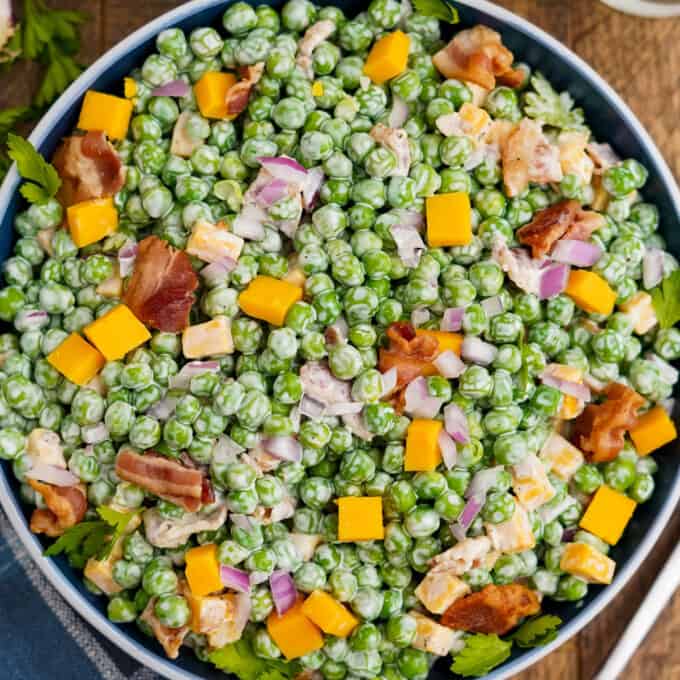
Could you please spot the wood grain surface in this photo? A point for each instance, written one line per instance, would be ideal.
(640, 59)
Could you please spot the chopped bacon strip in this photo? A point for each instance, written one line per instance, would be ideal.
(494, 609)
(163, 477)
(171, 639)
(396, 140)
(599, 431)
(313, 37)
(89, 167)
(238, 94)
(478, 55)
(585, 222)
(161, 290)
(66, 506)
(548, 226)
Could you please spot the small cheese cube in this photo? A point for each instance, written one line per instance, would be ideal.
(203, 570)
(641, 311)
(445, 339)
(327, 613)
(608, 514)
(432, 637)
(571, 406)
(294, 634)
(590, 292)
(45, 446)
(388, 57)
(439, 590)
(211, 243)
(530, 483)
(117, 333)
(652, 430)
(208, 339)
(449, 219)
(514, 535)
(584, 561)
(211, 93)
(475, 120)
(90, 221)
(317, 88)
(269, 299)
(561, 457)
(76, 359)
(129, 88)
(360, 518)
(422, 447)
(105, 112)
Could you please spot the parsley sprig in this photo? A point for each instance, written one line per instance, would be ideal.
(537, 632)
(550, 107)
(439, 9)
(42, 179)
(239, 659)
(666, 300)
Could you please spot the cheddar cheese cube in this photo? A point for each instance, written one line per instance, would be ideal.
(530, 483)
(129, 87)
(588, 563)
(652, 430)
(294, 634)
(211, 93)
(449, 219)
(212, 243)
(327, 613)
(360, 518)
(561, 457)
(203, 570)
(208, 339)
(76, 360)
(608, 514)
(571, 406)
(269, 299)
(317, 88)
(445, 339)
(432, 637)
(590, 292)
(641, 311)
(513, 535)
(90, 221)
(439, 590)
(475, 120)
(105, 112)
(422, 447)
(388, 57)
(116, 333)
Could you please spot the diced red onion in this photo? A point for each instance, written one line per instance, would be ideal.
(477, 351)
(283, 447)
(182, 380)
(283, 510)
(493, 306)
(215, 272)
(399, 113)
(272, 192)
(652, 268)
(226, 450)
(93, 434)
(553, 280)
(577, 253)
(344, 408)
(410, 218)
(31, 320)
(312, 187)
(126, 258)
(234, 578)
(312, 408)
(410, 245)
(419, 317)
(482, 481)
(389, 381)
(249, 223)
(51, 474)
(456, 423)
(458, 532)
(448, 449)
(668, 373)
(449, 365)
(467, 516)
(285, 168)
(295, 417)
(452, 319)
(568, 534)
(283, 591)
(175, 88)
(418, 401)
(570, 387)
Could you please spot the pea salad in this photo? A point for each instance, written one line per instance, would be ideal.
(336, 346)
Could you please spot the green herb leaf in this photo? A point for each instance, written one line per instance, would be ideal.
(10, 117)
(119, 521)
(480, 654)
(546, 105)
(61, 71)
(72, 541)
(537, 632)
(440, 9)
(238, 658)
(666, 300)
(32, 166)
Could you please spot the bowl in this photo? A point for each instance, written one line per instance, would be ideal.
(611, 120)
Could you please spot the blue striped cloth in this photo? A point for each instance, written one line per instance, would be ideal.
(42, 636)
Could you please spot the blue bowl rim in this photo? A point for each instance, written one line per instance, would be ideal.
(10, 503)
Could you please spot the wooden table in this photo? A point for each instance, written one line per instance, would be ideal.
(640, 60)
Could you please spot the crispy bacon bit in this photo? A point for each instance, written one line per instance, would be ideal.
(396, 140)
(548, 226)
(573, 157)
(171, 639)
(313, 37)
(599, 431)
(238, 94)
(585, 222)
(89, 167)
(478, 55)
(66, 506)
(494, 609)
(163, 477)
(524, 272)
(161, 290)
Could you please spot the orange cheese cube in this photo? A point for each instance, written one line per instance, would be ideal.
(90, 221)
(608, 514)
(76, 359)
(105, 112)
(117, 333)
(590, 292)
(641, 311)
(475, 120)
(294, 634)
(317, 88)
(203, 570)
(652, 430)
(446, 339)
(584, 561)
(388, 57)
(422, 448)
(269, 299)
(211, 93)
(210, 338)
(360, 518)
(449, 219)
(327, 613)
(129, 88)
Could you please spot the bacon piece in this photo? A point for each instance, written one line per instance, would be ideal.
(161, 290)
(478, 55)
(320, 384)
(163, 477)
(396, 140)
(238, 94)
(548, 226)
(89, 167)
(171, 639)
(66, 506)
(585, 222)
(313, 37)
(599, 431)
(494, 609)
(573, 157)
